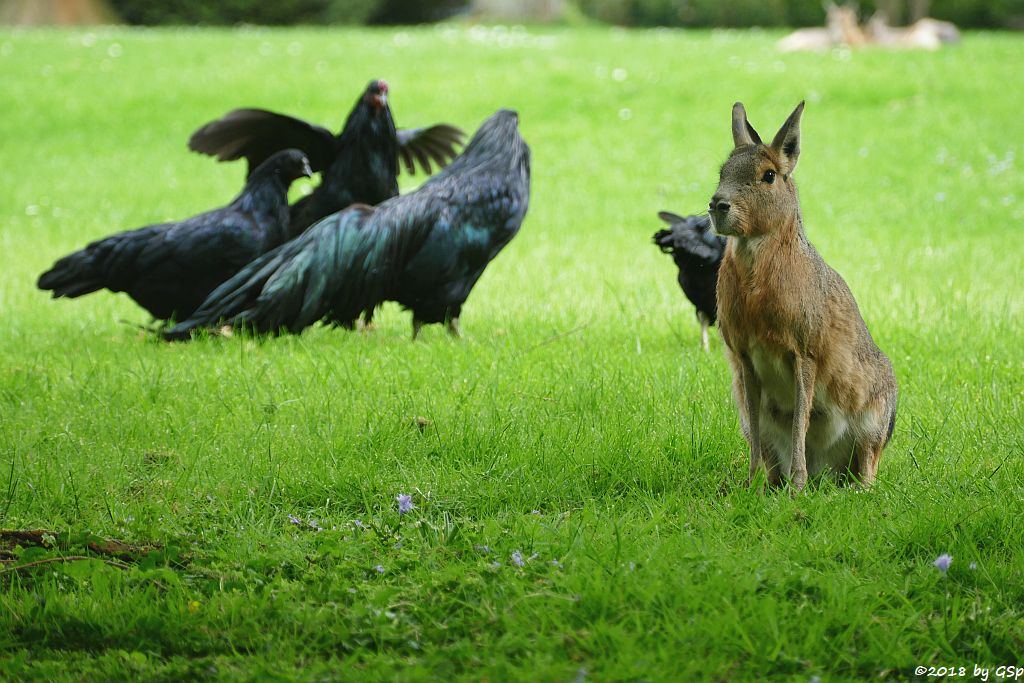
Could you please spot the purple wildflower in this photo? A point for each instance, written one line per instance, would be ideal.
(942, 562)
(379, 569)
(404, 503)
(517, 559)
(294, 520)
(485, 549)
(358, 523)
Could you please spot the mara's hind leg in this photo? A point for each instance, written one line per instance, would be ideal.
(865, 463)
(772, 466)
(868, 451)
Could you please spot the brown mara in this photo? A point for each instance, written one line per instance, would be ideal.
(816, 396)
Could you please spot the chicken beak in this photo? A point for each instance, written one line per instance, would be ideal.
(306, 170)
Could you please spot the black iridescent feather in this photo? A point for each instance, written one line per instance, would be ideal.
(170, 268)
(424, 250)
(360, 165)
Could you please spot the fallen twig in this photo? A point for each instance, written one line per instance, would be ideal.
(46, 539)
(68, 558)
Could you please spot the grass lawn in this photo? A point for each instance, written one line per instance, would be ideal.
(578, 428)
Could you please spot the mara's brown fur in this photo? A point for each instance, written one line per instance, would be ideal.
(816, 396)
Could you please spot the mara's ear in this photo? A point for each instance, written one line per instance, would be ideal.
(787, 140)
(742, 132)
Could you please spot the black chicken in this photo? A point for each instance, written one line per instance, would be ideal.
(358, 166)
(697, 252)
(424, 250)
(170, 268)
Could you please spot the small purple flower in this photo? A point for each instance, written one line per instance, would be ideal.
(485, 549)
(517, 559)
(404, 503)
(495, 565)
(358, 523)
(379, 569)
(313, 524)
(942, 562)
(294, 520)
(556, 564)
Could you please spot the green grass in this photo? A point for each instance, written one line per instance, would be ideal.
(578, 422)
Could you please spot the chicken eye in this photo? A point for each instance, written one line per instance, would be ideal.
(769, 177)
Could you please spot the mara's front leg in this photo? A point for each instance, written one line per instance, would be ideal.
(750, 387)
(804, 371)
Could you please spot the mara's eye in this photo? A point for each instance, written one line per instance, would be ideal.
(769, 177)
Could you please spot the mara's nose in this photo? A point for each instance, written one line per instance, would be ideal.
(718, 204)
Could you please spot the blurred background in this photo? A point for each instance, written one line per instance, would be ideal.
(993, 14)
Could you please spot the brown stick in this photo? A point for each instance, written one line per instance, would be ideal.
(109, 546)
(69, 558)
